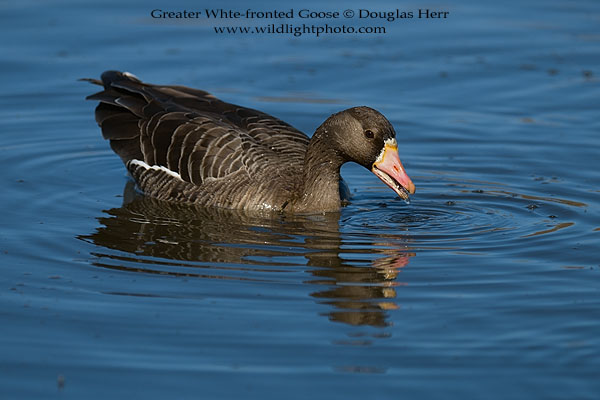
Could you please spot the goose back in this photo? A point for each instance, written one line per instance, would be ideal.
(186, 145)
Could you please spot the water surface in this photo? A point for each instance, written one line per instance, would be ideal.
(485, 286)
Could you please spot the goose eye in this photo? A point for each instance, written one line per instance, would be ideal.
(369, 133)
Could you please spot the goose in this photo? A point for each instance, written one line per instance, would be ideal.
(185, 145)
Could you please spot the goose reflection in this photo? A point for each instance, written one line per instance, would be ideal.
(150, 236)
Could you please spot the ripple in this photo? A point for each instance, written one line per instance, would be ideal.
(467, 216)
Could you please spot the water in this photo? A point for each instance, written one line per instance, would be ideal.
(485, 286)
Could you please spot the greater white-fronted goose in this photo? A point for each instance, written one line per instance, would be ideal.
(185, 145)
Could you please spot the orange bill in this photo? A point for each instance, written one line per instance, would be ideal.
(389, 169)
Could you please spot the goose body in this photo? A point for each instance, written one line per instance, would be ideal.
(185, 145)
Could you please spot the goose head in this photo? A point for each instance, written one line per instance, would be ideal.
(364, 136)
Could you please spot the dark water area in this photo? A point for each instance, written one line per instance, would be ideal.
(486, 286)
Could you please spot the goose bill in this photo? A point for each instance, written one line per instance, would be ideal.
(389, 169)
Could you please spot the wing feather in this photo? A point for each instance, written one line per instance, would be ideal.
(193, 134)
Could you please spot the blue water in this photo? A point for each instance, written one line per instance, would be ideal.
(486, 286)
